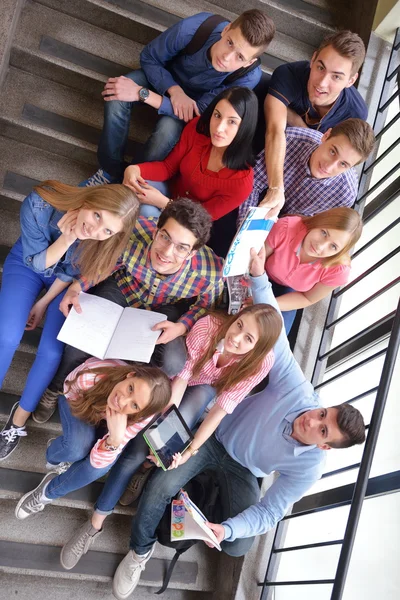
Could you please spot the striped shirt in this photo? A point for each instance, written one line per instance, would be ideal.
(199, 278)
(100, 458)
(197, 342)
(304, 194)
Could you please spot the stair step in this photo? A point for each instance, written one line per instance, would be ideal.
(13, 584)
(8, 400)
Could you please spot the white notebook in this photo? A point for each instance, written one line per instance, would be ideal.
(106, 330)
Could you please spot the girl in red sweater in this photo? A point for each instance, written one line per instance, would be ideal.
(211, 163)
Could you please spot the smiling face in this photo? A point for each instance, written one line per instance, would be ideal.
(318, 427)
(224, 124)
(129, 396)
(242, 335)
(334, 156)
(232, 51)
(324, 242)
(171, 247)
(97, 224)
(330, 73)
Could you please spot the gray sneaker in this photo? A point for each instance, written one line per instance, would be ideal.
(78, 545)
(46, 407)
(128, 574)
(35, 500)
(59, 467)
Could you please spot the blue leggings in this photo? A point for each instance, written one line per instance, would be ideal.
(19, 290)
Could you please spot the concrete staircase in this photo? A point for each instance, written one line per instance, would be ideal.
(56, 56)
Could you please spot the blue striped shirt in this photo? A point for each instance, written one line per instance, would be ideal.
(304, 194)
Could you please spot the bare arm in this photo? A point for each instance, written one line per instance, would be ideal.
(39, 308)
(294, 120)
(275, 149)
(178, 389)
(295, 300)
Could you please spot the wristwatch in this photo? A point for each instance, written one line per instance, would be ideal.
(109, 446)
(143, 94)
(192, 452)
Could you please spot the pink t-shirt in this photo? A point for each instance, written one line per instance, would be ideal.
(284, 267)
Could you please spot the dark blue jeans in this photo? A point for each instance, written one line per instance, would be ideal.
(238, 490)
(114, 136)
(193, 405)
(74, 445)
(287, 315)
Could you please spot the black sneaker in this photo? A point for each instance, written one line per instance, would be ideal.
(10, 435)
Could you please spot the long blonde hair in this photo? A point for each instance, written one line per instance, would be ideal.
(269, 325)
(343, 219)
(95, 258)
(91, 404)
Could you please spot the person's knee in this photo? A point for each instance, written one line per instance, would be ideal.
(147, 210)
(75, 450)
(174, 357)
(239, 547)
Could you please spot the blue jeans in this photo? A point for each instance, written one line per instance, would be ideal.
(114, 136)
(193, 405)
(287, 315)
(238, 490)
(74, 445)
(147, 210)
(19, 290)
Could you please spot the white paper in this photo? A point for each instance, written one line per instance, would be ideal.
(238, 258)
(106, 330)
(133, 338)
(91, 331)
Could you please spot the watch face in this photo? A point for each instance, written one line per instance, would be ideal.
(144, 94)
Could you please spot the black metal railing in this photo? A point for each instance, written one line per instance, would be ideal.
(354, 348)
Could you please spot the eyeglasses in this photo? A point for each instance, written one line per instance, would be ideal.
(179, 250)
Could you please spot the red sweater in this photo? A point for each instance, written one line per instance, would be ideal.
(219, 192)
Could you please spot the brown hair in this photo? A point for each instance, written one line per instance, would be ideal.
(95, 258)
(269, 324)
(256, 27)
(360, 135)
(90, 405)
(343, 219)
(347, 44)
(351, 424)
(190, 215)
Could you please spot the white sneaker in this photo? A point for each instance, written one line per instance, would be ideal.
(128, 574)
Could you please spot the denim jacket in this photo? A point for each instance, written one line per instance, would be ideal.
(38, 231)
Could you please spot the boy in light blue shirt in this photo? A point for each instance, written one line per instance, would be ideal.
(284, 428)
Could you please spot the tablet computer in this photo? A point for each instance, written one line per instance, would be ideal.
(167, 435)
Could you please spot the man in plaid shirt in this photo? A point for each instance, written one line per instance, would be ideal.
(166, 267)
(318, 171)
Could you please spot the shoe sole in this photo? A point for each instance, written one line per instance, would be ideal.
(28, 494)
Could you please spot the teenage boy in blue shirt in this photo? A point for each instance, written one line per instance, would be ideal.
(283, 428)
(179, 85)
(319, 94)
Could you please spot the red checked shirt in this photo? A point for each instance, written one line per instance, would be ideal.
(100, 458)
(197, 341)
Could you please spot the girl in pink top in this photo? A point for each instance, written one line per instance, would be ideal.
(308, 257)
(106, 403)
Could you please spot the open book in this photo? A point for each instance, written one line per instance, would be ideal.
(252, 233)
(188, 522)
(106, 330)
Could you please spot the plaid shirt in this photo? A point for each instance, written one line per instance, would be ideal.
(304, 194)
(199, 278)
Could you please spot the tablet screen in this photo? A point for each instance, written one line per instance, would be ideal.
(167, 435)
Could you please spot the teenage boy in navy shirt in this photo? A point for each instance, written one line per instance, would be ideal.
(179, 85)
(319, 94)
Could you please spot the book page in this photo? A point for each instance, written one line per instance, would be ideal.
(133, 338)
(188, 522)
(252, 234)
(92, 330)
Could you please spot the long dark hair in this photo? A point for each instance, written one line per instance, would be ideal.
(239, 154)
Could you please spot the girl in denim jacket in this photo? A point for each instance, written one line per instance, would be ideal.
(65, 231)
